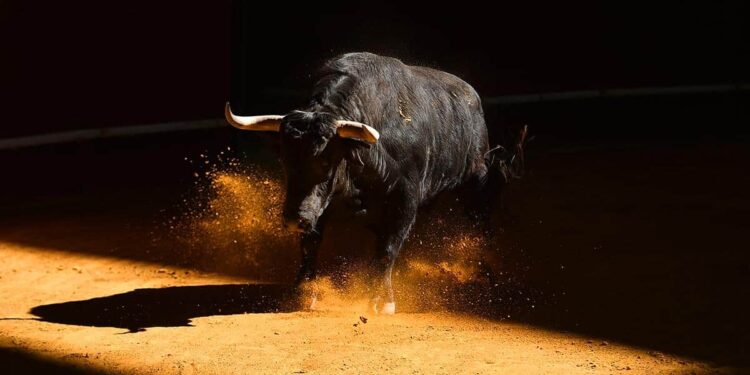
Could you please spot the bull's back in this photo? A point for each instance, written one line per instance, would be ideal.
(431, 122)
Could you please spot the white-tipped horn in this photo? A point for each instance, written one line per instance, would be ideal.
(357, 130)
(269, 123)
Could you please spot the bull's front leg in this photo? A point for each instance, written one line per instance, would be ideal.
(395, 227)
(309, 244)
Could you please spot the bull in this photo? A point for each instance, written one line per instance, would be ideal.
(387, 138)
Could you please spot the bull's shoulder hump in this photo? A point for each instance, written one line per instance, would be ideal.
(438, 75)
(357, 62)
(449, 81)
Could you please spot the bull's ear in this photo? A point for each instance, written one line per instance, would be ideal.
(357, 130)
(269, 123)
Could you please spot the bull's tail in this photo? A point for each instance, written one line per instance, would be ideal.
(507, 163)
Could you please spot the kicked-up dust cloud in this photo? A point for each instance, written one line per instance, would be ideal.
(232, 223)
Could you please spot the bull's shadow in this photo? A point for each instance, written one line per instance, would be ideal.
(168, 307)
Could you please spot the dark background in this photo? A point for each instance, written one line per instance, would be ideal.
(632, 215)
(83, 64)
(503, 48)
(93, 64)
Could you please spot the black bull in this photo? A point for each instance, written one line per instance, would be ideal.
(432, 139)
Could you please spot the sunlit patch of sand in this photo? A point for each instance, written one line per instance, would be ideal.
(342, 339)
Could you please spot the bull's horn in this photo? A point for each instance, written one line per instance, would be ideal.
(269, 123)
(357, 130)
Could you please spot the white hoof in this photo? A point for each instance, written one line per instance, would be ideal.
(313, 303)
(389, 308)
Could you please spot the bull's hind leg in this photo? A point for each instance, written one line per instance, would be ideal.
(400, 215)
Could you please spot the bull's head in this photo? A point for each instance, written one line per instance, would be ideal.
(313, 144)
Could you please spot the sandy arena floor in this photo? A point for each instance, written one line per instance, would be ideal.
(329, 341)
(634, 260)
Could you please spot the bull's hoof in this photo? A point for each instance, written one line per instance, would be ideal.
(312, 303)
(389, 308)
(301, 299)
(307, 300)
